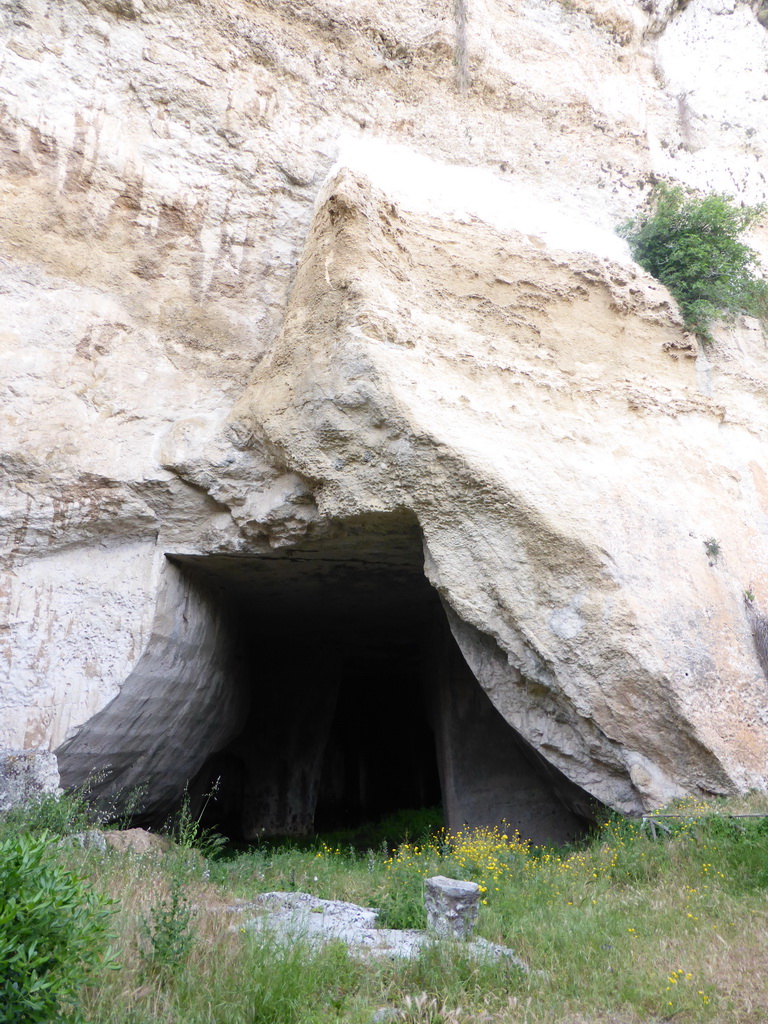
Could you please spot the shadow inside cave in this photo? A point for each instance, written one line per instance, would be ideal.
(316, 688)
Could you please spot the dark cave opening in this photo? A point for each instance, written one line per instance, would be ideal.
(330, 649)
(354, 700)
(380, 754)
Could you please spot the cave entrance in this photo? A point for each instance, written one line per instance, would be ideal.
(353, 699)
(330, 642)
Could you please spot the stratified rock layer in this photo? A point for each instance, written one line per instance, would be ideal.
(274, 272)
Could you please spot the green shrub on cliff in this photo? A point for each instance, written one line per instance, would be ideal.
(692, 244)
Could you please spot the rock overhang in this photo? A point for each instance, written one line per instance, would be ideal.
(462, 373)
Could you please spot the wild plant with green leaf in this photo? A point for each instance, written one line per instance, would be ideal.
(53, 933)
(168, 929)
(51, 816)
(692, 243)
(188, 832)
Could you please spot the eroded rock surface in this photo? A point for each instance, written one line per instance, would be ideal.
(452, 906)
(26, 776)
(136, 840)
(565, 475)
(274, 273)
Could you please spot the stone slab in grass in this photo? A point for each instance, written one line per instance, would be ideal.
(300, 915)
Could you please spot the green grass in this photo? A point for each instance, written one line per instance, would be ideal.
(623, 928)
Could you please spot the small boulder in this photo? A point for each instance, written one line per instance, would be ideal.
(452, 906)
(137, 840)
(26, 776)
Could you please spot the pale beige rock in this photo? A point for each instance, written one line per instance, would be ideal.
(136, 840)
(464, 338)
(529, 405)
(26, 776)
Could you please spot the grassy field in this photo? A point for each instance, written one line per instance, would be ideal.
(624, 928)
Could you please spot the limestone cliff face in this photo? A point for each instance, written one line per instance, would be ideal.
(269, 268)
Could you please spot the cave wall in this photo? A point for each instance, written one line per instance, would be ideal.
(488, 774)
(181, 703)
